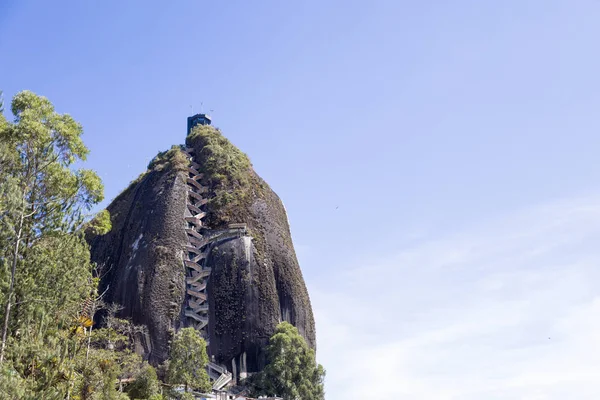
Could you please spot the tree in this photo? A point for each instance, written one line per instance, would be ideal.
(188, 360)
(145, 384)
(45, 270)
(48, 287)
(44, 196)
(292, 371)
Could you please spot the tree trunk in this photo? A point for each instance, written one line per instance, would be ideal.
(11, 288)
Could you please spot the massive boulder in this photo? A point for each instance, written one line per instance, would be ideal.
(255, 281)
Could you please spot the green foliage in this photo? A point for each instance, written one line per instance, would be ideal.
(227, 170)
(100, 224)
(12, 385)
(55, 279)
(98, 376)
(188, 360)
(292, 371)
(44, 207)
(37, 155)
(42, 358)
(173, 159)
(48, 350)
(224, 163)
(39, 129)
(146, 384)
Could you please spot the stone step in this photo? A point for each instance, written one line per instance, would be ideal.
(199, 318)
(198, 258)
(200, 275)
(196, 294)
(193, 265)
(198, 286)
(195, 304)
(197, 185)
(195, 221)
(195, 195)
(193, 233)
(197, 242)
(195, 172)
(199, 213)
(216, 367)
(193, 249)
(201, 325)
(199, 309)
(195, 210)
(222, 381)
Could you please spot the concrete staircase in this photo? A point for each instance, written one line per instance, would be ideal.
(220, 376)
(200, 240)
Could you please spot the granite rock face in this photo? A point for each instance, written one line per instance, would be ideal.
(255, 282)
(140, 258)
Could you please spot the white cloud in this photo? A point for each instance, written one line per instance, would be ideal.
(507, 310)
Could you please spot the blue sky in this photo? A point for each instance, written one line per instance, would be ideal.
(438, 161)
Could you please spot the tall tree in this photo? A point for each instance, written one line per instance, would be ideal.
(45, 197)
(292, 371)
(188, 360)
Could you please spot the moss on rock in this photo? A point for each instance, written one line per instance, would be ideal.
(173, 159)
(227, 171)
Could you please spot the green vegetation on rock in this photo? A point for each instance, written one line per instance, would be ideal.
(224, 163)
(173, 159)
(227, 170)
(100, 224)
